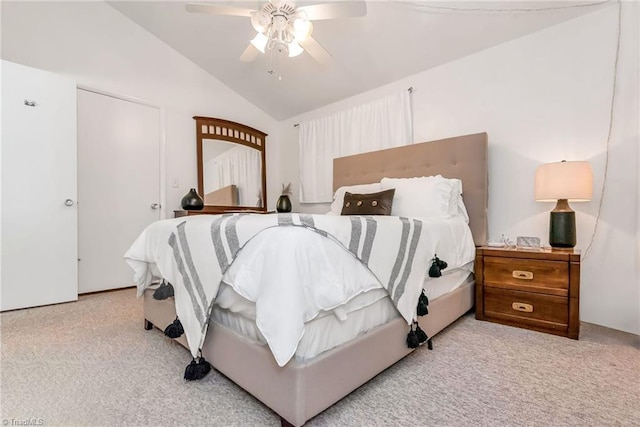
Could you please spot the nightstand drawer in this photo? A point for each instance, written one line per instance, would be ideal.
(544, 311)
(530, 275)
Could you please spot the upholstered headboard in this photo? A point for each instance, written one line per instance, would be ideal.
(462, 157)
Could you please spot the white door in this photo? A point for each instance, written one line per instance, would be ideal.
(118, 185)
(39, 217)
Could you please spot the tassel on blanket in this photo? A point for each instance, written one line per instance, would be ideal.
(175, 329)
(190, 373)
(197, 370)
(437, 265)
(164, 291)
(418, 337)
(203, 367)
(423, 302)
(412, 338)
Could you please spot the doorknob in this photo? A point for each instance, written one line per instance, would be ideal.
(155, 205)
(68, 202)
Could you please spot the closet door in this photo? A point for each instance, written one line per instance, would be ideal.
(118, 185)
(39, 217)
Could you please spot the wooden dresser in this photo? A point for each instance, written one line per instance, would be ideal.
(533, 289)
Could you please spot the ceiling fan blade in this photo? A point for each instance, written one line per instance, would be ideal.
(214, 9)
(316, 50)
(348, 9)
(249, 54)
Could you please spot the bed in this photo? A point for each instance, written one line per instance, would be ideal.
(310, 383)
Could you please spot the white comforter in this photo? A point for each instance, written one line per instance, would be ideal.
(292, 284)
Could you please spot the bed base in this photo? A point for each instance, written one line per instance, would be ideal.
(302, 389)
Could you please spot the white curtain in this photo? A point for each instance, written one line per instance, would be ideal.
(380, 124)
(241, 166)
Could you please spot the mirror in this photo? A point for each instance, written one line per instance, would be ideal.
(231, 172)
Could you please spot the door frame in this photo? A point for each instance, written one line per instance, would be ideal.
(162, 143)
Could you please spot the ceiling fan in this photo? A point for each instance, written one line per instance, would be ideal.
(282, 26)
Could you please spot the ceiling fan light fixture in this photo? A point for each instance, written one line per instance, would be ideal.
(302, 28)
(260, 42)
(282, 26)
(260, 21)
(294, 49)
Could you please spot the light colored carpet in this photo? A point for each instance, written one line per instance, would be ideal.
(92, 363)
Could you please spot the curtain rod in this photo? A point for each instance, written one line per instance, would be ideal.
(410, 90)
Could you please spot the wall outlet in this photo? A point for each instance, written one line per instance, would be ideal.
(175, 183)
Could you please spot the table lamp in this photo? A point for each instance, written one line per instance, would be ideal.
(563, 181)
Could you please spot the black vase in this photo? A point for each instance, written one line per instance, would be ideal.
(283, 204)
(192, 201)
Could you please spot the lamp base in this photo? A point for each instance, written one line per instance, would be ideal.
(562, 226)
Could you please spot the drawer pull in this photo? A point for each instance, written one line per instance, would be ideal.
(526, 275)
(520, 306)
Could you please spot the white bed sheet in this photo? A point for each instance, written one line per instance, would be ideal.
(333, 328)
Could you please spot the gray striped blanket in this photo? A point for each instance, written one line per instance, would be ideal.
(193, 254)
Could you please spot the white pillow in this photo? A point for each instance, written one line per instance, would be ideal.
(338, 197)
(425, 197)
(456, 204)
(462, 209)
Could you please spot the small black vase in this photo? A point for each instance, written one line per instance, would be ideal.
(192, 201)
(283, 204)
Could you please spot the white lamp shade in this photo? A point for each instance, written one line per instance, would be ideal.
(302, 29)
(260, 21)
(294, 49)
(564, 180)
(260, 42)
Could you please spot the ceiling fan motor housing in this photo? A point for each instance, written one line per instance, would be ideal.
(279, 7)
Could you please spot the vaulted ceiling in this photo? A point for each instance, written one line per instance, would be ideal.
(394, 40)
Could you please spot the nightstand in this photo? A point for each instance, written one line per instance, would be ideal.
(533, 289)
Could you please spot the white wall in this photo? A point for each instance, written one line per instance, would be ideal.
(541, 98)
(102, 49)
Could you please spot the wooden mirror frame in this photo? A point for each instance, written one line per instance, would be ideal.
(225, 130)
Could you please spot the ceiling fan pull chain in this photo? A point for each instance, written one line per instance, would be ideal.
(279, 65)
